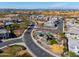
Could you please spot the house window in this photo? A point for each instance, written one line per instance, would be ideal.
(72, 47)
(77, 47)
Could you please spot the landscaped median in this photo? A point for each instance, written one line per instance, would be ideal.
(57, 49)
(45, 48)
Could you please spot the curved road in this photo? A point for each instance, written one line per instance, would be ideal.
(36, 50)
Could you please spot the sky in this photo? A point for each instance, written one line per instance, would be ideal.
(40, 5)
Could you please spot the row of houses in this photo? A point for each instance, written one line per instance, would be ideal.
(49, 22)
(72, 34)
(45, 18)
(9, 21)
(6, 22)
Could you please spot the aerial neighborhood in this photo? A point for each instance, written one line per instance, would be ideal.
(60, 29)
(39, 32)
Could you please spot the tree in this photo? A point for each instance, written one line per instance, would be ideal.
(1, 51)
(12, 27)
(26, 21)
(15, 26)
(53, 41)
(8, 28)
(71, 54)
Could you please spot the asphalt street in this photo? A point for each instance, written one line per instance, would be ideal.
(36, 50)
(7, 43)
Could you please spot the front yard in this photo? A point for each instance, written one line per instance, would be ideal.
(11, 51)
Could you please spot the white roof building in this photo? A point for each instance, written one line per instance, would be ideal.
(49, 24)
(73, 36)
(74, 45)
(4, 33)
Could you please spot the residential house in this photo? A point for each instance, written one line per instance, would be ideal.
(73, 36)
(4, 34)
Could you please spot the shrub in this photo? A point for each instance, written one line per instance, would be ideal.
(53, 41)
(71, 54)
